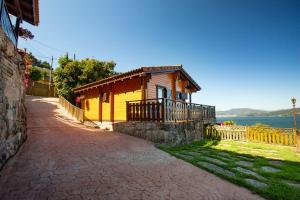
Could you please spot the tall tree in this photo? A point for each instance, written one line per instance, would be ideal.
(95, 70)
(70, 74)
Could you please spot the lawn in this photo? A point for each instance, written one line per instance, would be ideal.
(269, 170)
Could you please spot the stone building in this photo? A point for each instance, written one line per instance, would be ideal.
(12, 89)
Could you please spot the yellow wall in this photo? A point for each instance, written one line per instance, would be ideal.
(128, 90)
(120, 103)
(91, 105)
(105, 111)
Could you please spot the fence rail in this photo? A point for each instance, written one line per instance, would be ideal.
(70, 108)
(6, 24)
(168, 110)
(283, 136)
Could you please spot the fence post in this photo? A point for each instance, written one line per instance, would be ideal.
(163, 109)
(127, 111)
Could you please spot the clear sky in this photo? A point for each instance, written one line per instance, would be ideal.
(243, 53)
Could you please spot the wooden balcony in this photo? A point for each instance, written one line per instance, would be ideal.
(167, 110)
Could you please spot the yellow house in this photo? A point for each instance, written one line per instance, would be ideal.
(105, 100)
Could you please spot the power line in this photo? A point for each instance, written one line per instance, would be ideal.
(37, 50)
(48, 46)
(44, 56)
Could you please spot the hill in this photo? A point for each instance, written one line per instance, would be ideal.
(236, 112)
(239, 112)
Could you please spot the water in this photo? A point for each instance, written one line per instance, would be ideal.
(278, 122)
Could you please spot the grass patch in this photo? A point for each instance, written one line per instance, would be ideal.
(281, 183)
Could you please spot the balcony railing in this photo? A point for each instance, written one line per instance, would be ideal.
(6, 24)
(167, 110)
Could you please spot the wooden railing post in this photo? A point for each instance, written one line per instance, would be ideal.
(127, 111)
(163, 110)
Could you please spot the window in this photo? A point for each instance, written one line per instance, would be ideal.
(161, 92)
(169, 94)
(105, 97)
(181, 96)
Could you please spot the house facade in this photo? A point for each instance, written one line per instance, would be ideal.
(111, 99)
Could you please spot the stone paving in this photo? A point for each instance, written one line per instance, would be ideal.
(65, 160)
(216, 161)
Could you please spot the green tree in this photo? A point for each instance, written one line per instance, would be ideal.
(38, 63)
(70, 74)
(44, 75)
(93, 70)
(35, 74)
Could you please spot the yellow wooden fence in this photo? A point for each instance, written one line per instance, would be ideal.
(265, 134)
(70, 108)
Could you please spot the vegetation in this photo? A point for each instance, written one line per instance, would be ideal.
(35, 74)
(38, 63)
(240, 162)
(25, 33)
(44, 75)
(70, 74)
(229, 123)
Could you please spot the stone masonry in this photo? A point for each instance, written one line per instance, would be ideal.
(159, 132)
(12, 99)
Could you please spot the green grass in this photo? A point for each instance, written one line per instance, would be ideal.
(260, 155)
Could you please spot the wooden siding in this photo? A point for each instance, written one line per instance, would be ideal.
(91, 105)
(165, 80)
(125, 91)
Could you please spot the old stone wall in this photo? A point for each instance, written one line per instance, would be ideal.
(12, 99)
(159, 132)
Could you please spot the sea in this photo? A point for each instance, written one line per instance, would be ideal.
(278, 122)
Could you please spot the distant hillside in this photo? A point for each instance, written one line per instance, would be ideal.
(240, 112)
(279, 113)
(253, 112)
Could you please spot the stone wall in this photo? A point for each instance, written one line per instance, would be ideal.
(12, 99)
(159, 132)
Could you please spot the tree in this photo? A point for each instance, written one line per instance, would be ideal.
(35, 74)
(38, 63)
(70, 74)
(94, 70)
(44, 75)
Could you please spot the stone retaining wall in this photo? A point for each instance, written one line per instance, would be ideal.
(12, 99)
(159, 132)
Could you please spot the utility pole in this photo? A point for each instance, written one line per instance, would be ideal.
(50, 81)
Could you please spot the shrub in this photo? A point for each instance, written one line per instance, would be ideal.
(229, 123)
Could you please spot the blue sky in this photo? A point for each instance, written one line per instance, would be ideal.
(243, 53)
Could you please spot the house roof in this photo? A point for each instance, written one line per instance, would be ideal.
(28, 10)
(138, 72)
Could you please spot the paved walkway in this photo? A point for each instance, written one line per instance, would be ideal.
(64, 160)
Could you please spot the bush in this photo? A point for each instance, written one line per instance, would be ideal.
(229, 123)
(35, 74)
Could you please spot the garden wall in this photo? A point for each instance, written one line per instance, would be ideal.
(12, 99)
(160, 132)
(40, 89)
